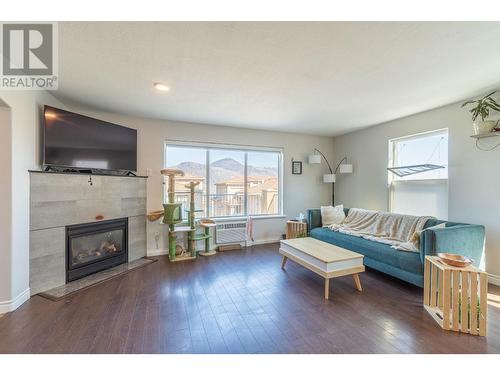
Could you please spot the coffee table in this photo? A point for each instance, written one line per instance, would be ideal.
(324, 259)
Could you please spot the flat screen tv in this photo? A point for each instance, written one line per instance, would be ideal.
(75, 141)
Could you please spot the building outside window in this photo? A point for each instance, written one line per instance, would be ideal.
(235, 181)
(424, 193)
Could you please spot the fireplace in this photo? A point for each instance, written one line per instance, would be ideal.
(93, 247)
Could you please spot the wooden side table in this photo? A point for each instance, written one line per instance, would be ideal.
(456, 297)
(295, 229)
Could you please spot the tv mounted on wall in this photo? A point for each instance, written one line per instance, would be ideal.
(74, 141)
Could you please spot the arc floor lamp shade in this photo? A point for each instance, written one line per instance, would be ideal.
(315, 159)
(345, 168)
(329, 178)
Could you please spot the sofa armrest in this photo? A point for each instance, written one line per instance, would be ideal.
(313, 218)
(467, 240)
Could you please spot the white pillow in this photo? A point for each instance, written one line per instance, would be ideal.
(332, 215)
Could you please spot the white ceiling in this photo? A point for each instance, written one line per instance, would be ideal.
(320, 77)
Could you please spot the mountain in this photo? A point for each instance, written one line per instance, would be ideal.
(224, 169)
(229, 164)
(234, 165)
(196, 169)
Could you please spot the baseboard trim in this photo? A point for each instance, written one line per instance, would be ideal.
(494, 279)
(159, 252)
(11, 305)
(262, 242)
(156, 252)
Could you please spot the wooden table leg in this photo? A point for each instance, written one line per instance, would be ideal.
(327, 288)
(283, 262)
(357, 281)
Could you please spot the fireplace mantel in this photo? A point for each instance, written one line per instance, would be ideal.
(58, 200)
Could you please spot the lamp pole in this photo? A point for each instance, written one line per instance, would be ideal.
(331, 172)
(334, 172)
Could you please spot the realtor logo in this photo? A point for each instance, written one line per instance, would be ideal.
(29, 56)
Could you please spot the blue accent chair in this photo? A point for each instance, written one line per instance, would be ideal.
(457, 238)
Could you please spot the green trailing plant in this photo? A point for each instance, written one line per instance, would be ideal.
(482, 107)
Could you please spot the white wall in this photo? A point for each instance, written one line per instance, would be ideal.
(25, 112)
(5, 203)
(300, 191)
(474, 178)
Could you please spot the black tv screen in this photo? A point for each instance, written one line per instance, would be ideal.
(76, 141)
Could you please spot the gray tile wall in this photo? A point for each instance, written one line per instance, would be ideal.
(58, 200)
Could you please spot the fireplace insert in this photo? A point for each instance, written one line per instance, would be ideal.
(93, 247)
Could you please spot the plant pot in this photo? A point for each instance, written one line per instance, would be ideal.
(483, 127)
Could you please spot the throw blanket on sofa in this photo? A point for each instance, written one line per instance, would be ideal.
(393, 229)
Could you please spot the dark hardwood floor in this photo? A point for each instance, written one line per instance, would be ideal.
(238, 302)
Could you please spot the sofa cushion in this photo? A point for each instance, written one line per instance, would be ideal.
(332, 215)
(380, 252)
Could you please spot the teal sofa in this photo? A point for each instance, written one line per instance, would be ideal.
(458, 238)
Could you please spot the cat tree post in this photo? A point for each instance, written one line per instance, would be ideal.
(172, 211)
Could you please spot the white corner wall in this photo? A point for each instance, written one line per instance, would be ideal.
(5, 206)
(474, 177)
(23, 154)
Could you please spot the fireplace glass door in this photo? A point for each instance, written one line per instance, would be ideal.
(95, 246)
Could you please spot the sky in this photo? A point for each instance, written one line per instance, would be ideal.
(426, 150)
(176, 155)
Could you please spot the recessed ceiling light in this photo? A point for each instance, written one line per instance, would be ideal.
(161, 86)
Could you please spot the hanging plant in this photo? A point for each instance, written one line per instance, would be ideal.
(481, 109)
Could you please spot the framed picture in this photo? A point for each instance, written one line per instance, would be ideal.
(296, 167)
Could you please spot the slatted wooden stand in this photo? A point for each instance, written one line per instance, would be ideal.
(456, 297)
(295, 229)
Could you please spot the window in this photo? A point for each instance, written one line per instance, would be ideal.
(424, 193)
(234, 181)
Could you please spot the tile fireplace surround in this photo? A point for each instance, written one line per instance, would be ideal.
(59, 200)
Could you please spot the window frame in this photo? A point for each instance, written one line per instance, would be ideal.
(207, 146)
(392, 157)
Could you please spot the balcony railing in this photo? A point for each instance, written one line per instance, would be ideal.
(223, 205)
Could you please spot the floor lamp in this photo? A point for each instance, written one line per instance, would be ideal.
(331, 177)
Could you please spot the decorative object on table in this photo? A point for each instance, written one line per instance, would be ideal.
(456, 297)
(301, 218)
(331, 177)
(296, 167)
(295, 229)
(481, 109)
(454, 260)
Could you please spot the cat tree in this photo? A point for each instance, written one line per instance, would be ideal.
(172, 216)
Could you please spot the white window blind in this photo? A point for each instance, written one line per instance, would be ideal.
(423, 193)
